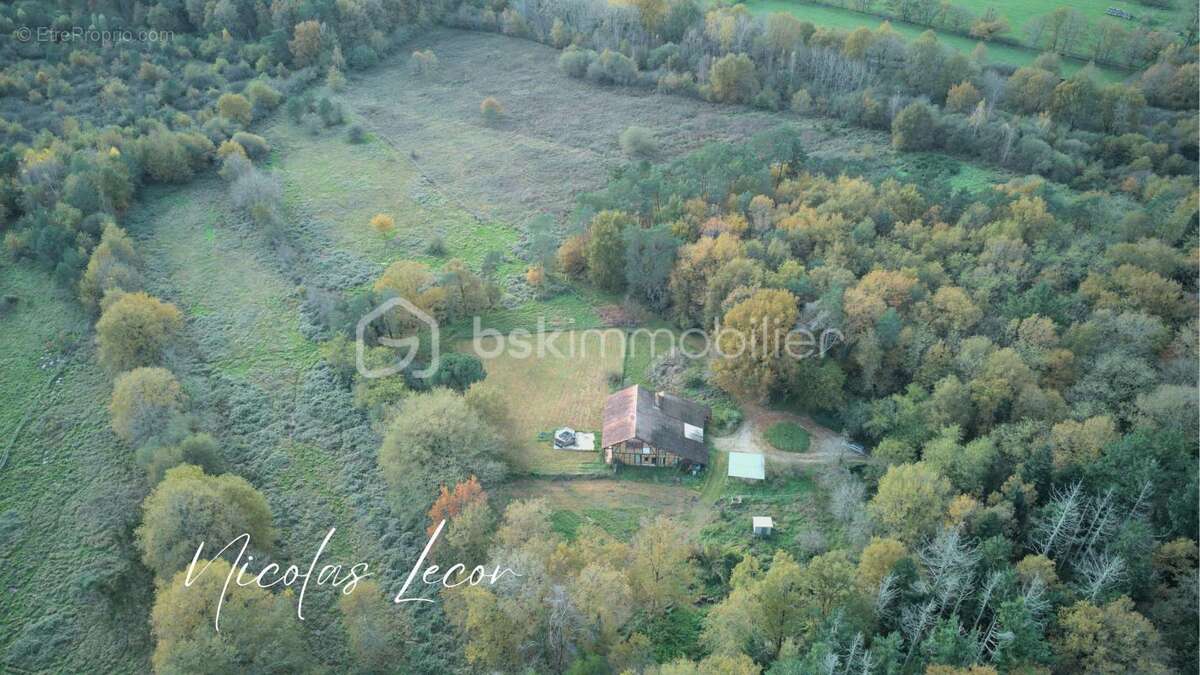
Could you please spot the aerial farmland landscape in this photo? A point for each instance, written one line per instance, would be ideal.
(659, 337)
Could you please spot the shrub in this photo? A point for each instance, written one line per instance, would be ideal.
(437, 440)
(356, 134)
(230, 147)
(362, 56)
(144, 403)
(733, 79)
(134, 329)
(262, 96)
(802, 102)
(915, 128)
(383, 223)
(612, 68)
(768, 99)
(165, 158)
(113, 265)
(638, 142)
(423, 62)
(491, 109)
(234, 165)
(331, 113)
(256, 146)
(677, 83)
(962, 97)
(259, 195)
(190, 507)
(458, 371)
(198, 449)
(235, 107)
(574, 62)
(436, 246)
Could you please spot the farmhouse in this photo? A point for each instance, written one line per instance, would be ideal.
(647, 428)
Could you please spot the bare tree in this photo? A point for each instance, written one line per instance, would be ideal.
(1060, 520)
(1099, 572)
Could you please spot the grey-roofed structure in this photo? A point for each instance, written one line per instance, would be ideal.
(647, 428)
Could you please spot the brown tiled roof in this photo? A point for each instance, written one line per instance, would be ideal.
(634, 413)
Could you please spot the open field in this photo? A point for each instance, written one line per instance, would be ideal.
(553, 391)
(615, 506)
(847, 19)
(557, 136)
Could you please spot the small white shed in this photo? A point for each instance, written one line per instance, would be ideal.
(748, 466)
(763, 525)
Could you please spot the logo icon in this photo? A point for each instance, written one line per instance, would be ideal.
(411, 343)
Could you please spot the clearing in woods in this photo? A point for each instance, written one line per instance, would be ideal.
(567, 388)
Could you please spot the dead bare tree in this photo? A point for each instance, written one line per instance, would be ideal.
(1061, 516)
(1099, 572)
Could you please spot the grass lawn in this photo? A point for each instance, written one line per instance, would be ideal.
(847, 19)
(614, 505)
(787, 436)
(794, 502)
(553, 390)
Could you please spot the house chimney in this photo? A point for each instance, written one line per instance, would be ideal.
(658, 397)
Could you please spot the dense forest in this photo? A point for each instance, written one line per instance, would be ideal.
(1020, 360)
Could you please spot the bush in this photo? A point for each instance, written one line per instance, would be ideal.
(458, 371)
(574, 62)
(733, 79)
(423, 62)
(198, 449)
(190, 507)
(436, 246)
(612, 68)
(437, 440)
(915, 128)
(331, 113)
(114, 264)
(491, 109)
(725, 418)
(259, 195)
(356, 134)
(134, 329)
(262, 96)
(235, 107)
(144, 403)
(383, 223)
(768, 99)
(362, 56)
(256, 146)
(802, 102)
(165, 158)
(638, 142)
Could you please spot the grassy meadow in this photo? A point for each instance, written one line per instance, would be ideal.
(555, 391)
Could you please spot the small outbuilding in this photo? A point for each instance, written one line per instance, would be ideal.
(763, 526)
(564, 437)
(747, 465)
